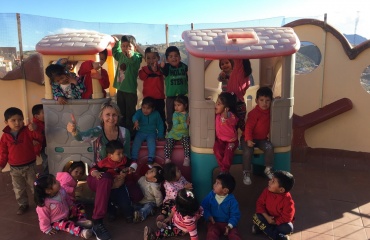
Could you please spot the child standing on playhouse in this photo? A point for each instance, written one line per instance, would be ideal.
(38, 119)
(176, 80)
(221, 209)
(226, 66)
(115, 165)
(226, 135)
(126, 51)
(256, 134)
(153, 83)
(55, 208)
(275, 208)
(64, 86)
(16, 148)
(149, 126)
(89, 70)
(179, 130)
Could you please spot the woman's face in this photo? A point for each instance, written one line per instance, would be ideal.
(110, 116)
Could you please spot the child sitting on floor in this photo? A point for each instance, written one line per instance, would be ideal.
(68, 180)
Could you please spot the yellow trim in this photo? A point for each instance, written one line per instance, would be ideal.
(256, 150)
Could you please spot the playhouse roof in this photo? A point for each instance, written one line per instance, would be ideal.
(257, 42)
(76, 43)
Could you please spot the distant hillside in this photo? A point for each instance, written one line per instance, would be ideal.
(354, 39)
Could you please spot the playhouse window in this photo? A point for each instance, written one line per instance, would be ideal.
(308, 58)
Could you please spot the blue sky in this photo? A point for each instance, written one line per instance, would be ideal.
(150, 15)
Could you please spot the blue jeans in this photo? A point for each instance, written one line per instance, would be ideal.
(272, 230)
(145, 209)
(150, 141)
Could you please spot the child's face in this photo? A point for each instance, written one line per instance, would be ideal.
(151, 58)
(102, 58)
(117, 155)
(15, 122)
(70, 66)
(174, 59)
(178, 173)
(225, 65)
(219, 107)
(179, 107)
(77, 173)
(218, 189)
(62, 79)
(150, 175)
(40, 116)
(127, 47)
(146, 109)
(263, 102)
(54, 189)
(273, 186)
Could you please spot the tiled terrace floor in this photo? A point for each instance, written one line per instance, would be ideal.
(332, 202)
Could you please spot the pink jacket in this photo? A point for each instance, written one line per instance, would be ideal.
(53, 210)
(226, 128)
(68, 183)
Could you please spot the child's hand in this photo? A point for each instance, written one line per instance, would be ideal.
(227, 229)
(188, 186)
(52, 232)
(188, 120)
(62, 100)
(211, 220)
(96, 174)
(96, 65)
(136, 125)
(154, 66)
(270, 219)
(34, 142)
(162, 61)
(115, 38)
(250, 143)
(95, 74)
(32, 127)
(225, 113)
(222, 74)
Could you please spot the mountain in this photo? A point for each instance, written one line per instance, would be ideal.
(354, 39)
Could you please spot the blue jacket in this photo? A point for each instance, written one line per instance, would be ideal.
(227, 212)
(150, 123)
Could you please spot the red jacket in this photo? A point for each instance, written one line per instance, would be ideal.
(153, 83)
(258, 124)
(280, 206)
(18, 151)
(41, 128)
(85, 71)
(109, 166)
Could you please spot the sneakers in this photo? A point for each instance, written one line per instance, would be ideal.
(268, 172)
(148, 234)
(138, 217)
(101, 232)
(22, 209)
(167, 160)
(86, 233)
(247, 178)
(186, 162)
(133, 166)
(283, 237)
(84, 223)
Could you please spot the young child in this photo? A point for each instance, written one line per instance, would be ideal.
(68, 180)
(221, 209)
(54, 208)
(150, 185)
(153, 83)
(275, 208)
(226, 66)
(174, 182)
(63, 85)
(176, 80)
(256, 134)
(16, 148)
(183, 218)
(226, 135)
(38, 119)
(128, 52)
(149, 126)
(115, 164)
(89, 70)
(179, 130)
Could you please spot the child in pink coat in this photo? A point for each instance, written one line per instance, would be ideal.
(68, 180)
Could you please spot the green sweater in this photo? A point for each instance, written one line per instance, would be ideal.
(129, 84)
(176, 79)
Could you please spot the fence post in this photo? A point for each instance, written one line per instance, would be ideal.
(167, 43)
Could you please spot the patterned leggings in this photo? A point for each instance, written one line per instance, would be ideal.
(67, 225)
(170, 142)
(170, 231)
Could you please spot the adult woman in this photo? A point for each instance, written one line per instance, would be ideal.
(100, 136)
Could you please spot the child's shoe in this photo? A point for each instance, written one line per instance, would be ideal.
(167, 160)
(84, 223)
(86, 233)
(268, 172)
(148, 234)
(247, 178)
(283, 237)
(137, 217)
(186, 162)
(150, 161)
(22, 209)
